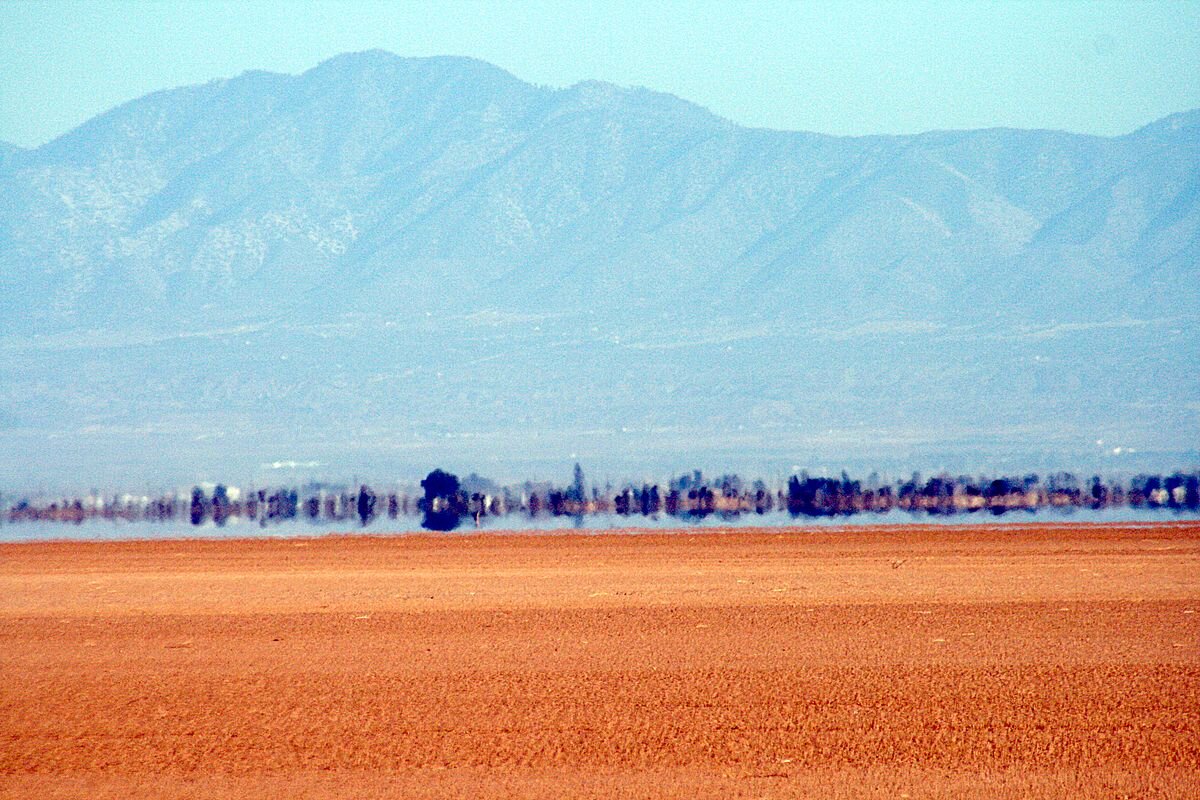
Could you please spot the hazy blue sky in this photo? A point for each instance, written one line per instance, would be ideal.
(1093, 67)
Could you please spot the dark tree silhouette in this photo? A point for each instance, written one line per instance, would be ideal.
(366, 504)
(220, 505)
(578, 491)
(623, 501)
(441, 504)
(439, 484)
(199, 509)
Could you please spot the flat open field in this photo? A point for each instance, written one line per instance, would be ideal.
(1042, 661)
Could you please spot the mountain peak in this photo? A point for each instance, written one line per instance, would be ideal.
(446, 66)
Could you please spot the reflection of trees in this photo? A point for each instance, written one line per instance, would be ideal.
(445, 500)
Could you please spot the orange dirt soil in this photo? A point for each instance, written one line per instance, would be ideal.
(1017, 661)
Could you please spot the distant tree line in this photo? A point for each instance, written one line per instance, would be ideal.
(444, 501)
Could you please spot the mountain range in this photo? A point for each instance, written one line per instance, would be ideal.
(386, 262)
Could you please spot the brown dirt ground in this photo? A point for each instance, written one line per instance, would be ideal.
(1015, 661)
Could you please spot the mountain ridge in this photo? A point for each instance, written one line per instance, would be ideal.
(1185, 118)
(369, 160)
(402, 221)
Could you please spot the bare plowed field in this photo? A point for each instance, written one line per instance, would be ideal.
(1042, 661)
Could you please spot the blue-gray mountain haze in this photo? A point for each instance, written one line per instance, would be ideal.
(388, 264)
